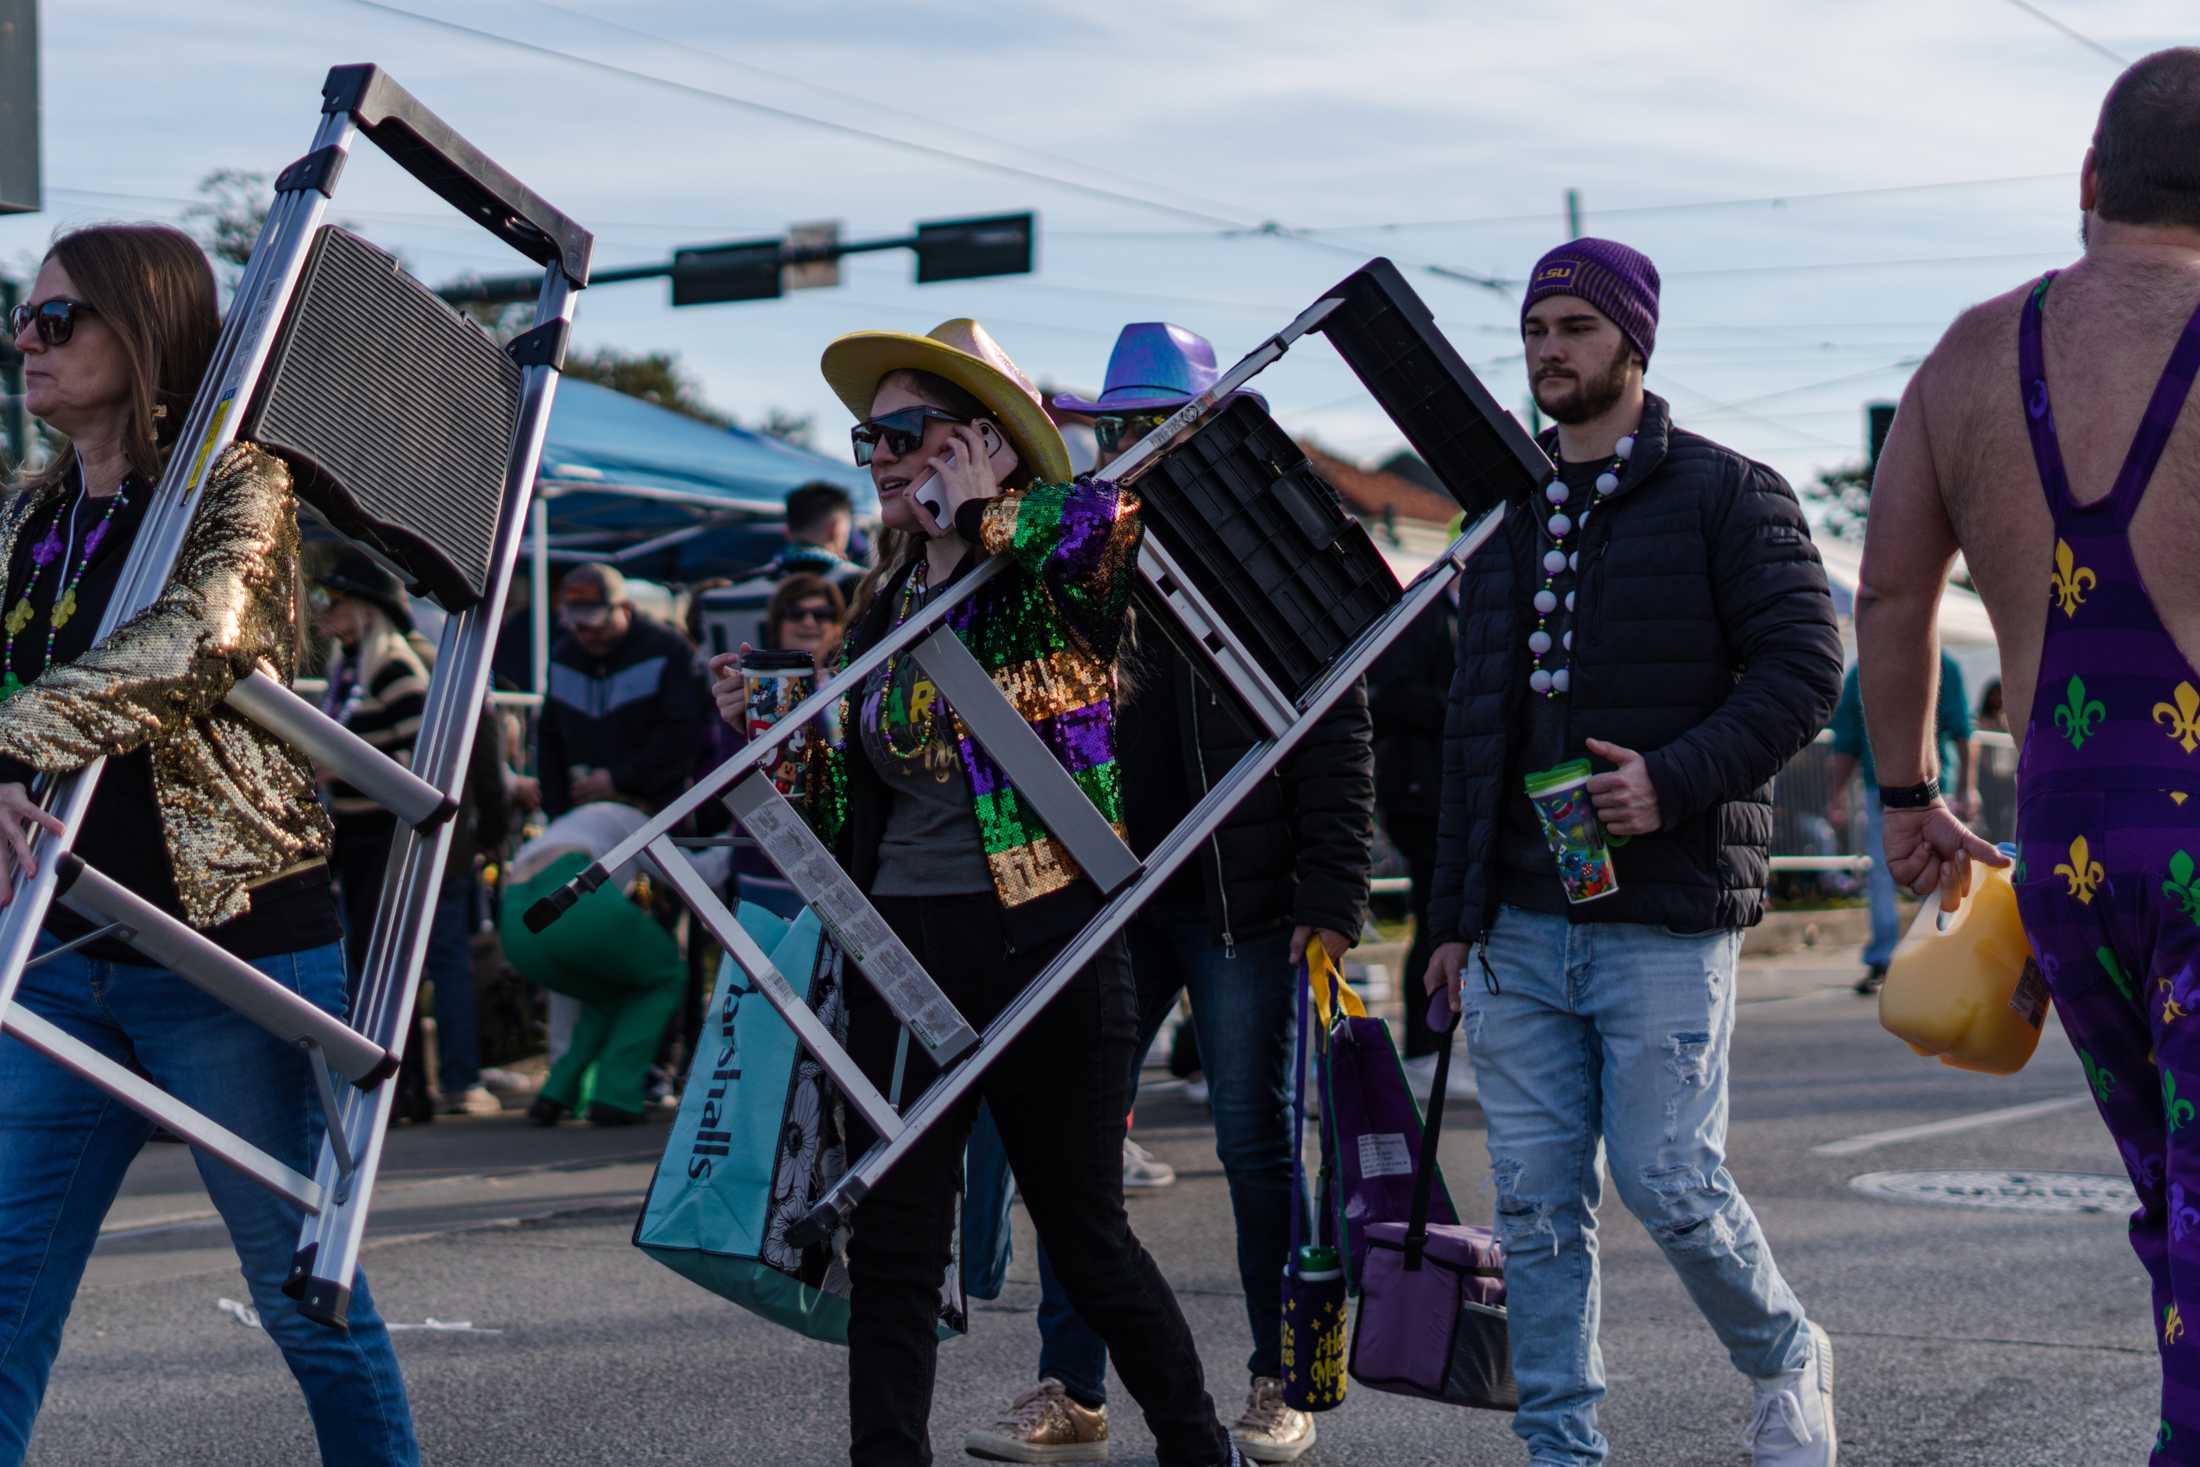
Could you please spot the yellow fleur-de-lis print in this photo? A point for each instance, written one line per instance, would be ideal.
(2173, 1325)
(2084, 874)
(2183, 717)
(2071, 580)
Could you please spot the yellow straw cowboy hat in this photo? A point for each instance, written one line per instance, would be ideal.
(966, 354)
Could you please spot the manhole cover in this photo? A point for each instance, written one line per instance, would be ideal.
(2005, 1191)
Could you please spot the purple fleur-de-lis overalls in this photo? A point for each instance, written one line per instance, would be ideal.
(2108, 830)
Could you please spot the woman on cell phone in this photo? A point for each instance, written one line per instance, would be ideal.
(970, 879)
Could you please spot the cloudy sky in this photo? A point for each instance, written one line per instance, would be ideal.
(1822, 182)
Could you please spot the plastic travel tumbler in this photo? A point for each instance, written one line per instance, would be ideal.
(1572, 831)
(1313, 1330)
(778, 682)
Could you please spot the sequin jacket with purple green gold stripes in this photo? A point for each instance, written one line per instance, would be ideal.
(1047, 632)
(237, 806)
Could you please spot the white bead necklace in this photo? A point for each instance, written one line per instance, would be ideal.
(1559, 561)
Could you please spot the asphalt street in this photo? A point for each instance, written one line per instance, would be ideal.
(534, 1333)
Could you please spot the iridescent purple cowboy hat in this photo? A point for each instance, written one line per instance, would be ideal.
(1155, 367)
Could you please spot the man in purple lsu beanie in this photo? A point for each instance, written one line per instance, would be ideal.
(1621, 285)
(1655, 611)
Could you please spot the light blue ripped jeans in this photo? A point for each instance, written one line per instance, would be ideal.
(1613, 1034)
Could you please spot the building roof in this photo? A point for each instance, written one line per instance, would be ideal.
(1370, 493)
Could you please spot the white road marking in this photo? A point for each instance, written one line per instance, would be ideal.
(1977, 1120)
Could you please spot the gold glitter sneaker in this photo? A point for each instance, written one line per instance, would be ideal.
(1270, 1431)
(1044, 1425)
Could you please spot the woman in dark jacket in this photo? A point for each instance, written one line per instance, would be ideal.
(975, 885)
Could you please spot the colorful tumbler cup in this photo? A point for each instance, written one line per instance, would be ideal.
(778, 682)
(1313, 1330)
(1572, 831)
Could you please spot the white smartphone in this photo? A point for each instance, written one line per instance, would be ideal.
(932, 494)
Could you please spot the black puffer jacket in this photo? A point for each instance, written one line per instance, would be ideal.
(1296, 850)
(1406, 698)
(1705, 640)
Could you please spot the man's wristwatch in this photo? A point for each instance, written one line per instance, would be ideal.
(1910, 796)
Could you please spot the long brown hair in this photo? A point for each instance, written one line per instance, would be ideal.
(153, 288)
(896, 548)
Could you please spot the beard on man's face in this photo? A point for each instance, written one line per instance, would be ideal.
(1578, 398)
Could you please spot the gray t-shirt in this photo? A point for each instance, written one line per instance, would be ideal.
(931, 846)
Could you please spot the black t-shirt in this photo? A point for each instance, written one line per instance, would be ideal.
(1527, 873)
(122, 837)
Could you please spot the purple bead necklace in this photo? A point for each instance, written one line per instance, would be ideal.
(51, 548)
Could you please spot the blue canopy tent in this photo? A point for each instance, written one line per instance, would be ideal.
(660, 495)
(663, 496)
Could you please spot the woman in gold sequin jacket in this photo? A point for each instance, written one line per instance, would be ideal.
(973, 883)
(198, 811)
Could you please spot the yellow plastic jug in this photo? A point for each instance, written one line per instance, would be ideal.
(1968, 991)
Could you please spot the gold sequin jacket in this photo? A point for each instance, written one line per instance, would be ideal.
(1048, 633)
(237, 805)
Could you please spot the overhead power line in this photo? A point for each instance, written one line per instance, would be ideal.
(804, 119)
(686, 47)
(2071, 31)
(1679, 206)
(910, 145)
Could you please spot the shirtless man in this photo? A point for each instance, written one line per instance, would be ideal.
(2078, 511)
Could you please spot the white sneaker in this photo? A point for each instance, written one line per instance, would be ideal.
(1143, 1171)
(1791, 1424)
(476, 1100)
(1459, 1085)
(1195, 1090)
(1270, 1431)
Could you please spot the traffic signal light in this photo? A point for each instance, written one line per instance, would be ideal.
(1878, 419)
(966, 249)
(747, 271)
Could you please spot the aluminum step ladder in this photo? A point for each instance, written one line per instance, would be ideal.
(1386, 334)
(411, 434)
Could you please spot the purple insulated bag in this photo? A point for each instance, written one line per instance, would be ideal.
(1432, 1297)
(1371, 1129)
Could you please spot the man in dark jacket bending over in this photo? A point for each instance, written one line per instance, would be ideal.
(1658, 608)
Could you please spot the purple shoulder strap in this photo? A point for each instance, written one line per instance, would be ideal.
(2163, 409)
(2039, 414)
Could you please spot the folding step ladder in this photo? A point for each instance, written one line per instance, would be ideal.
(1386, 334)
(411, 434)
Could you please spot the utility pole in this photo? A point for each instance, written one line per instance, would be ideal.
(12, 412)
(20, 182)
(1573, 213)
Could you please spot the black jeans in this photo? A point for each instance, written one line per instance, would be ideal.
(1059, 1095)
(1417, 843)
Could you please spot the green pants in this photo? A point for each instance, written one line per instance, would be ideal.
(618, 1040)
(623, 967)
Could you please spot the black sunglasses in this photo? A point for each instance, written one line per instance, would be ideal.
(56, 319)
(1118, 428)
(822, 615)
(901, 431)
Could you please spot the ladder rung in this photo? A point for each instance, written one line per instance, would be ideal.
(853, 923)
(358, 763)
(1221, 649)
(854, 1087)
(1029, 765)
(149, 1100)
(288, 1015)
